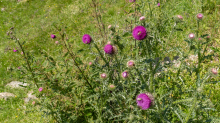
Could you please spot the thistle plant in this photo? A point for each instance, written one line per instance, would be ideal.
(127, 82)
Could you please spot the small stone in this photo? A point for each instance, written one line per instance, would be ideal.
(30, 97)
(16, 84)
(5, 95)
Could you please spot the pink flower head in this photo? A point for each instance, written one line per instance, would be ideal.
(19, 67)
(22, 53)
(125, 74)
(108, 49)
(56, 42)
(199, 16)
(132, 1)
(103, 75)
(139, 32)
(33, 102)
(15, 50)
(158, 4)
(130, 63)
(52, 36)
(86, 39)
(90, 63)
(144, 101)
(214, 71)
(142, 19)
(40, 89)
(191, 36)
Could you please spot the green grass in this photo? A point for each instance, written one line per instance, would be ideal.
(34, 20)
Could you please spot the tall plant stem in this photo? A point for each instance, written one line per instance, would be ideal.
(97, 19)
(73, 57)
(199, 56)
(101, 55)
(151, 67)
(27, 61)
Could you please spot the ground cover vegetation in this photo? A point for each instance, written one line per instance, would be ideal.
(111, 60)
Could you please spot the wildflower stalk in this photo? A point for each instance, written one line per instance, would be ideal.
(73, 57)
(27, 61)
(151, 67)
(199, 56)
(150, 9)
(142, 80)
(101, 54)
(98, 19)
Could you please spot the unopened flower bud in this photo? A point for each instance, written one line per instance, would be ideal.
(53, 36)
(130, 63)
(214, 71)
(103, 75)
(158, 4)
(142, 19)
(199, 16)
(90, 63)
(125, 74)
(111, 87)
(191, 36)
(40, 89)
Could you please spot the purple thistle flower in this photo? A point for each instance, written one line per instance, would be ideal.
(19, 67)
(144, 101)
(15, 50)
(132, 1)
(108, 49)
(40, 89)
(52, 36)
(158, 4)
(125, 74)
(139, 32)
(86, 39)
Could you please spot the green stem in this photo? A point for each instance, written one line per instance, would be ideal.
(101, 54)
(151, 67)
(28, 63)
(142, 79)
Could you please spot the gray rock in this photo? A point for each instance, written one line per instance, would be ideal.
(30, 97)
(5, 95)
(16, 84)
